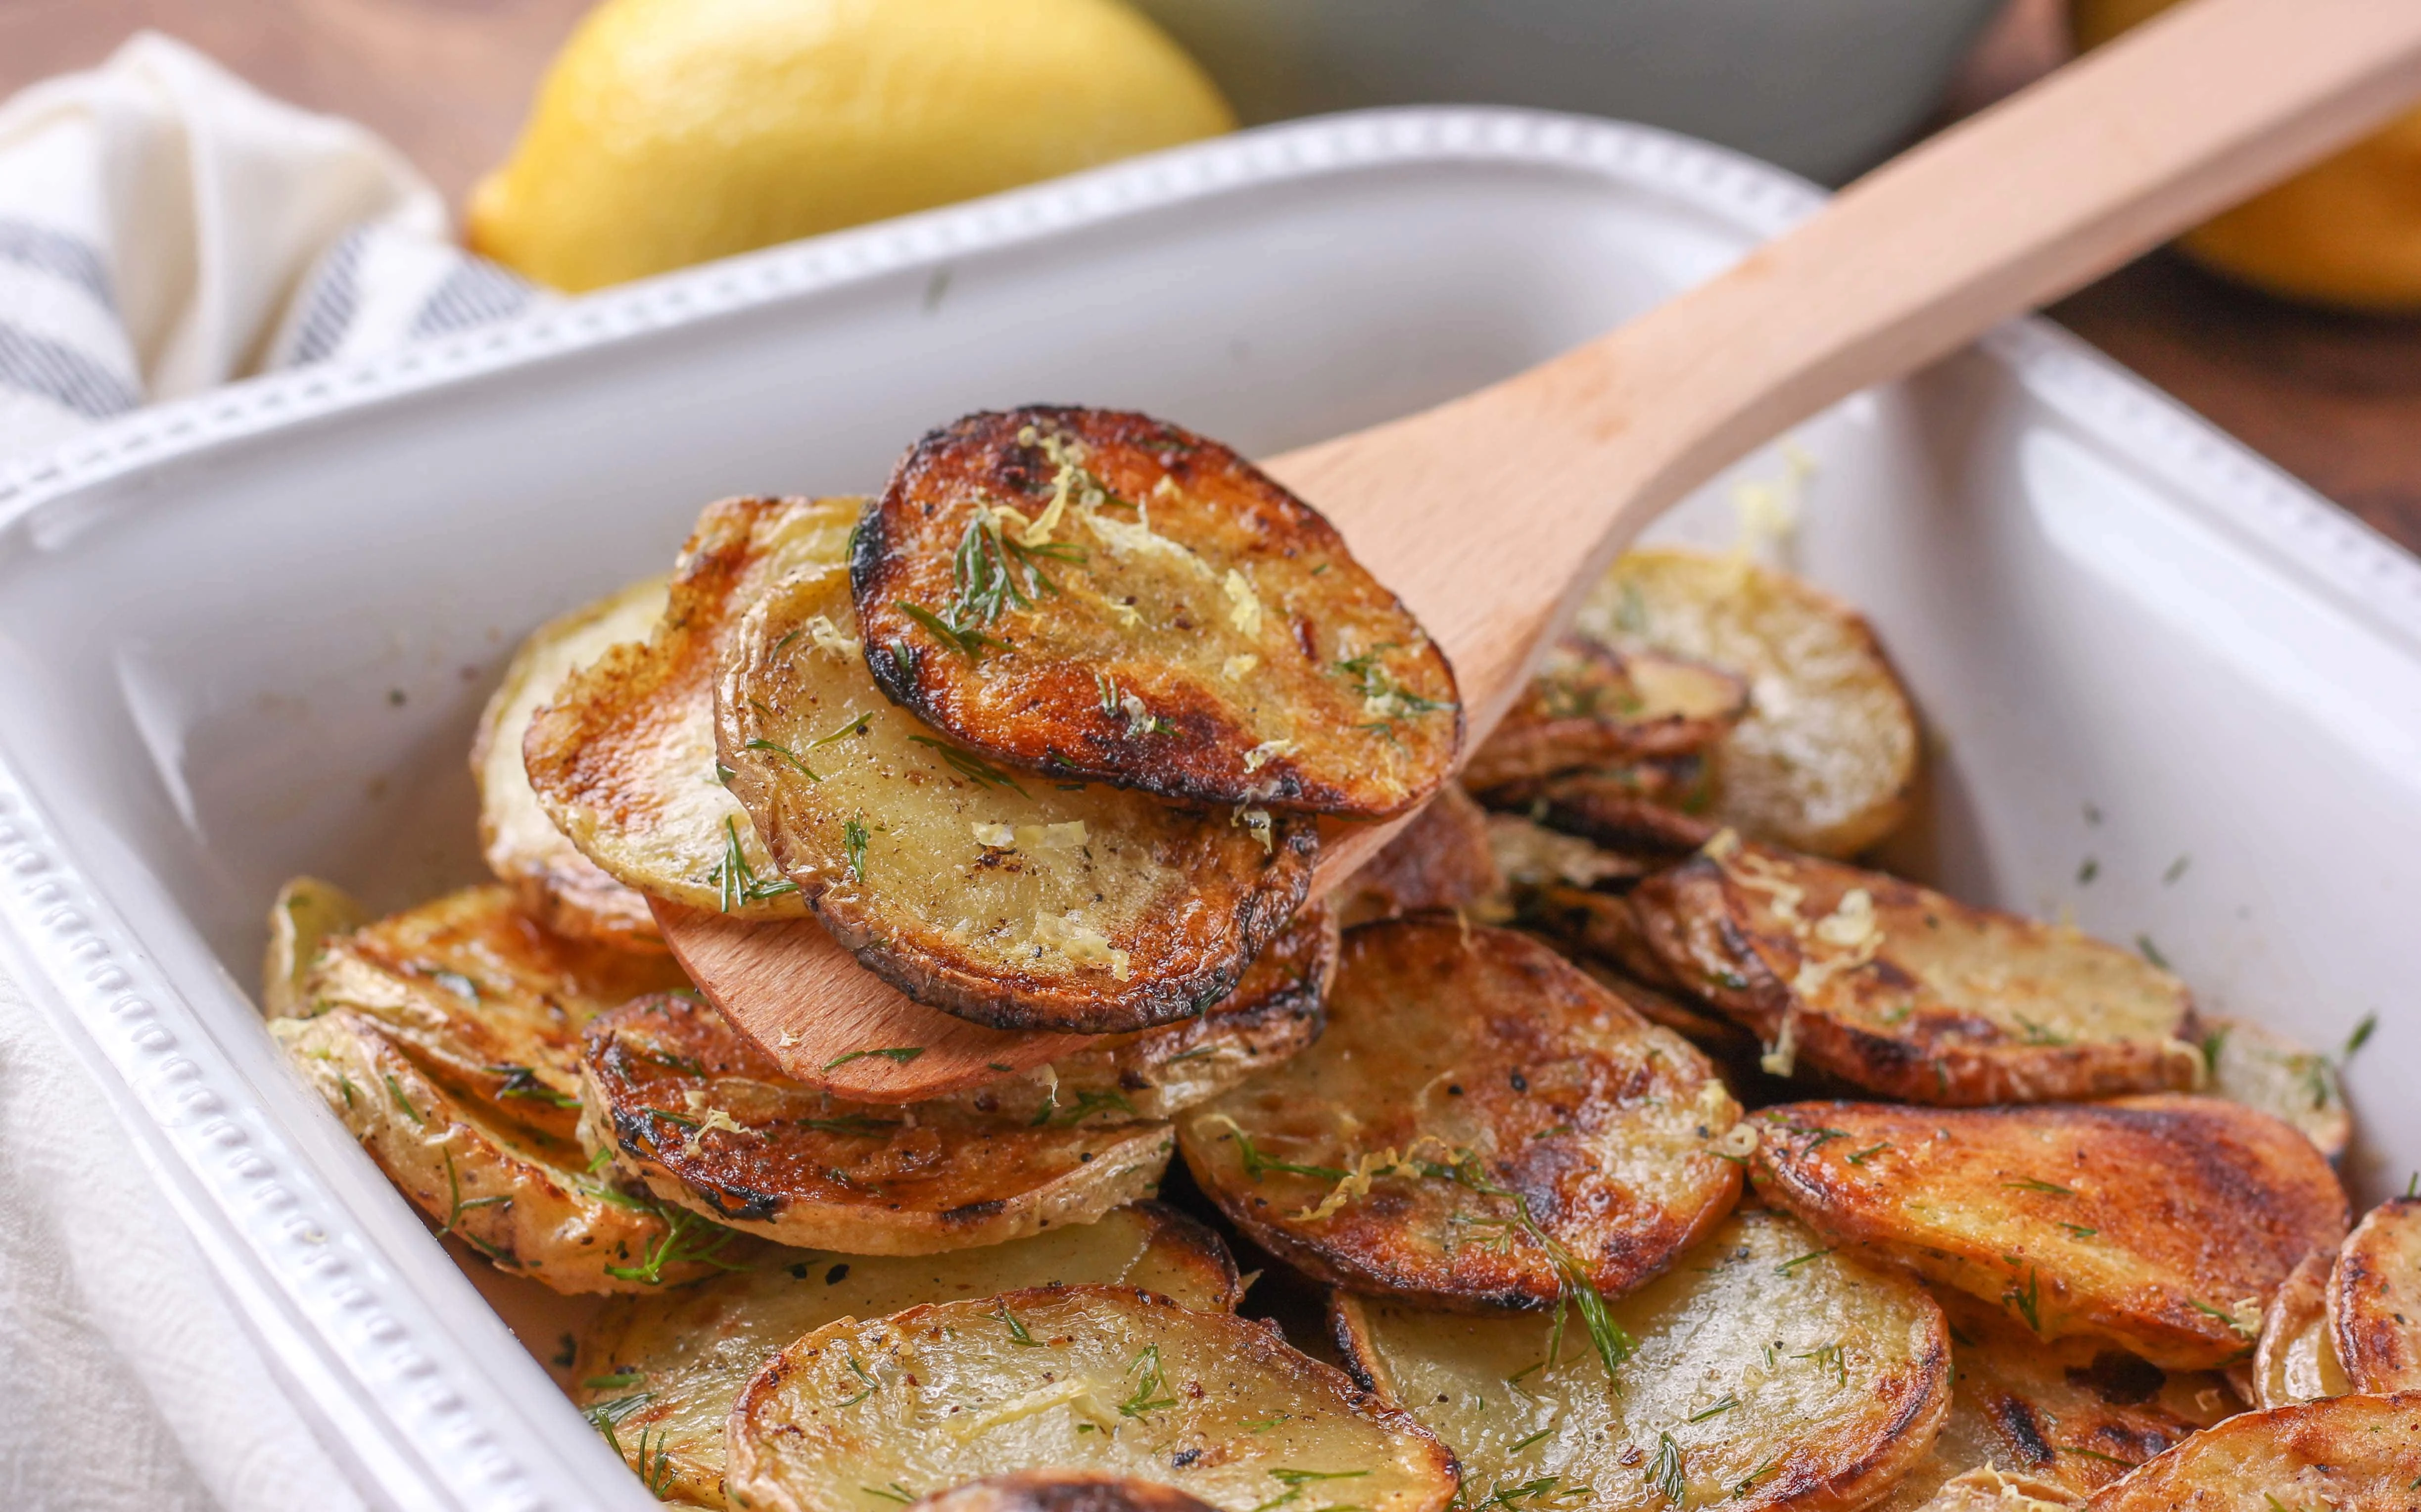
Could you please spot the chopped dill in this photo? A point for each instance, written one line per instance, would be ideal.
(2029, 1301)
(520, 1081)
(852, 1123)
(1519, 1445)
(897, 1056)
(2150, 952)
(1667, 1473)
(1017, 1333)
(970, 766)
(1151, 1393)
(395, 1090)
(686, 1239)
(735, 881)
(853, 837)
(1715, 1411)
(2027, 1183)
(1829, 1358)
(787, 754)
(1380, 689)
(967, 643)
(1788, 1266)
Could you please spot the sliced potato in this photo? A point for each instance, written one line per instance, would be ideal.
(1062, 1491)
(1531, 856)
(557, 885)
(1716, 1036)
(705, 1119)
(1766, 1371)
(2296, 1360)
(2265, 1070)
(1649, 812)
(666, 1369)
(2162, 1223)
(1896, 989)
(1989, 1491)
(2375, 1299)
(1592, 706)
(1481, 1125)
(1003, 898)
(1588, 925)
(485, 996)
(2352, 1454)
(1441, 859)
(623, 760)
(1101, 595)
(1826, 757)
(1081, 1377)
(305, 915)
(517, 1195)
(1276, 1010)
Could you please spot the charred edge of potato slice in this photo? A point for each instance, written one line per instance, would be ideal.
(485, 996)
(1062, 1491)
(1649, 812)
(1531, 857)
(1592, 706)
(668, 1367)
(1765, 1372)
(1827, 755)
(2158, 1223)
(2375, 1299)
(1083, 1378)
(306, 914)
(515, 1196)
(2265, 1070)
(1441, 861)
(568, 891)
(2350, 1454)
(1901, 991)
(624, 758)
(1720, 1037)
(2296, 1360)
(1605, 927)
(1003, 898)
(1480, 1126)
(1277, 1009)
(1101, 595)
(706, 1120)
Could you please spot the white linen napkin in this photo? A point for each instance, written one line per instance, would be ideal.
(165, 229)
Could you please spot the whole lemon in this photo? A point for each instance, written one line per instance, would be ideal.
(2345, 232)
(669, 132)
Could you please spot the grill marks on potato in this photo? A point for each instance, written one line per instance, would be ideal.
(2375, 1299)
(2352, 1454)
(1098, 594)
(624, 758)
(1766, 1371)
(707, 1120)
(668, 1367)
(1592, 706)
(2160, 1223)
(1107, 1378)
(1481, 1124)
(557, 885)
(1901, 991)
(1013, 899)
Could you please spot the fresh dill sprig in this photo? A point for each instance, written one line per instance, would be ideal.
(2027, 1183)
(1667, 1471)
(395, 1090)
(1151, 1394)
(993, 574)
(735, 881)
(852, 1123)
(897, 1056)
(1715, 1411)
(1089, 1103)
(454, 1215)
(2029, 1301)
(1829, 1358)
(967, 643)
(1295, 1480)
(787, 754)
(520, 1081)
(1017, 1333)
(1379, 688)
(686, 1239)
(970, 766)
(853, 837)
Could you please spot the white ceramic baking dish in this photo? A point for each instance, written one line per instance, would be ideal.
(246, 637)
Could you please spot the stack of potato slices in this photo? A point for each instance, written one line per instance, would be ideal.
(1615, 1140)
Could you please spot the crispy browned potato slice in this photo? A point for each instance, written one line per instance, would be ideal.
(1011, 899)
(623, 760)
(515, 1194)
(1766, 1371)
(705, 1119)
(1592, 706)
(2352, 1454)
(1101, 595)
(2265, 1070)
(485, 996)
(2161, 1222)
(1441, 859)
(1651, 812)
(1081, 1377)
(658, 1375)
(306, 914)
(1062, 1491)
(2296, 1360)
(1901, 991)
(1277, 1009)
(1825, 760)
(1481, 1125)
(1989, 1490)
(2375, 1299)
(1716, 1036)
(566, 890)
(1532, 857)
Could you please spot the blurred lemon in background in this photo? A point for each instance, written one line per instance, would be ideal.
(669, 132)
(2346, 232)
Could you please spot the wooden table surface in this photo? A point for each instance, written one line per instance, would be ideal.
(2334, 399)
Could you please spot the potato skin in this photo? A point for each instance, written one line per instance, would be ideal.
(2296, 1360)
(1062, 1491)
(2159, 1223)
(1447, 1043)
(2375, 1299)
(1900, 990)
(2351, 1454)
(1347, 707)
(1592, 706)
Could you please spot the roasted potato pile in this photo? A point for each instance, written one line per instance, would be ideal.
(1629, 1139)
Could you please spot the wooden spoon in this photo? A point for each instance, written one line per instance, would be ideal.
(1492, 514)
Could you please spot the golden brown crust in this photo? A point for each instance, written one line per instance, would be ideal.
(705, 1119)
(1182, 625)
(2375, 1299)
(2350, 1454)
(1490, 1068)
(1899, 989)
(2296, 1360)
(1440, 861)
(2163, 1223)
(1649, 810)
(1592, 706)
(1003, 898)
